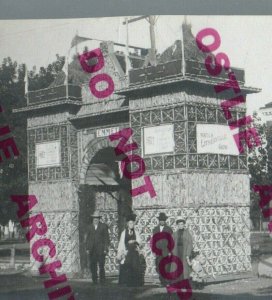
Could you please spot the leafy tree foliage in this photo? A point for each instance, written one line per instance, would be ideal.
(45, 76)
(259, 165)
(13, 172)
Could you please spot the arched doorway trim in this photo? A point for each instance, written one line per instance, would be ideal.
(89, 152)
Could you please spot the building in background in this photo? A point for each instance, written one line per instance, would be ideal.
(266, 113)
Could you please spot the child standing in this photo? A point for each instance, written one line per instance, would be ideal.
(197, 273)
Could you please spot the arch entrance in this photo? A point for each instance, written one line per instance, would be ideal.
(103, 188)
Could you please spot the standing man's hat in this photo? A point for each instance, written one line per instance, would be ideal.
(131, 217)
(96, 214)
(179, 220)
(162, 217)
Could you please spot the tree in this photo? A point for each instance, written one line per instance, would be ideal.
(13, 172)
(45, 76)
(259, 159)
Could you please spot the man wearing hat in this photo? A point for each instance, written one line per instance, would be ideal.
(97, 244)
(162, 244)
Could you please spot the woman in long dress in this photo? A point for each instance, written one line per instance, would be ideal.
(183, 247)
(132, 263)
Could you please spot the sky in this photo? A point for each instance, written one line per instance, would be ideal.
(245, 39)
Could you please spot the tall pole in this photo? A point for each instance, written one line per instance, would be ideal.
(66, 66)
(151, 20)
(66, 83)
(127, 43)
(152, 39)
(182, 52)
(76, 43)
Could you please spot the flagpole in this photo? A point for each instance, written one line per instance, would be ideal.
(182, 51)
(67, 96)
(76, 43)
(127, 41)
(66, 75)
(76, 40)
(153, 59)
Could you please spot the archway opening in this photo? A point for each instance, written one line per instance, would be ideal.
(106, 190)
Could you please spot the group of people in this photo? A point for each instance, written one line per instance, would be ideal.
(132, 259)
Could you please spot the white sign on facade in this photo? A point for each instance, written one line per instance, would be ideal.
(159, 139)
(217, 139)
(106, 131)
(48, 154)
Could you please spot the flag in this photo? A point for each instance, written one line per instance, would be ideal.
(26, 80)
(78, 39)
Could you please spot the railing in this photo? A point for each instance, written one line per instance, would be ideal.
(12, 248)
(72, 92)
(168, 69)
(198, 69)
(193, 68)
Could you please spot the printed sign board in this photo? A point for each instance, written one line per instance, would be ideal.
(106, 131)
(48, 154)
(159, 139)
(217, 139)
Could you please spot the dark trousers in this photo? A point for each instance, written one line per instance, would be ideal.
(97, 260)
(167, 269)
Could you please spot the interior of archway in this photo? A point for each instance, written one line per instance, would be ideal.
(106, 190)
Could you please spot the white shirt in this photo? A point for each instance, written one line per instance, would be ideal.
(161, 228)
(95, 227)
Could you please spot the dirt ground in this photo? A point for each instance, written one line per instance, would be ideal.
(21, 287)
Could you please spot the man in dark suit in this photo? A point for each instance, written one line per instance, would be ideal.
(97, 244)
(162, 244)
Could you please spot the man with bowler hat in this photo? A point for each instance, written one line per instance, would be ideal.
(162, 244)
(97, 244)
